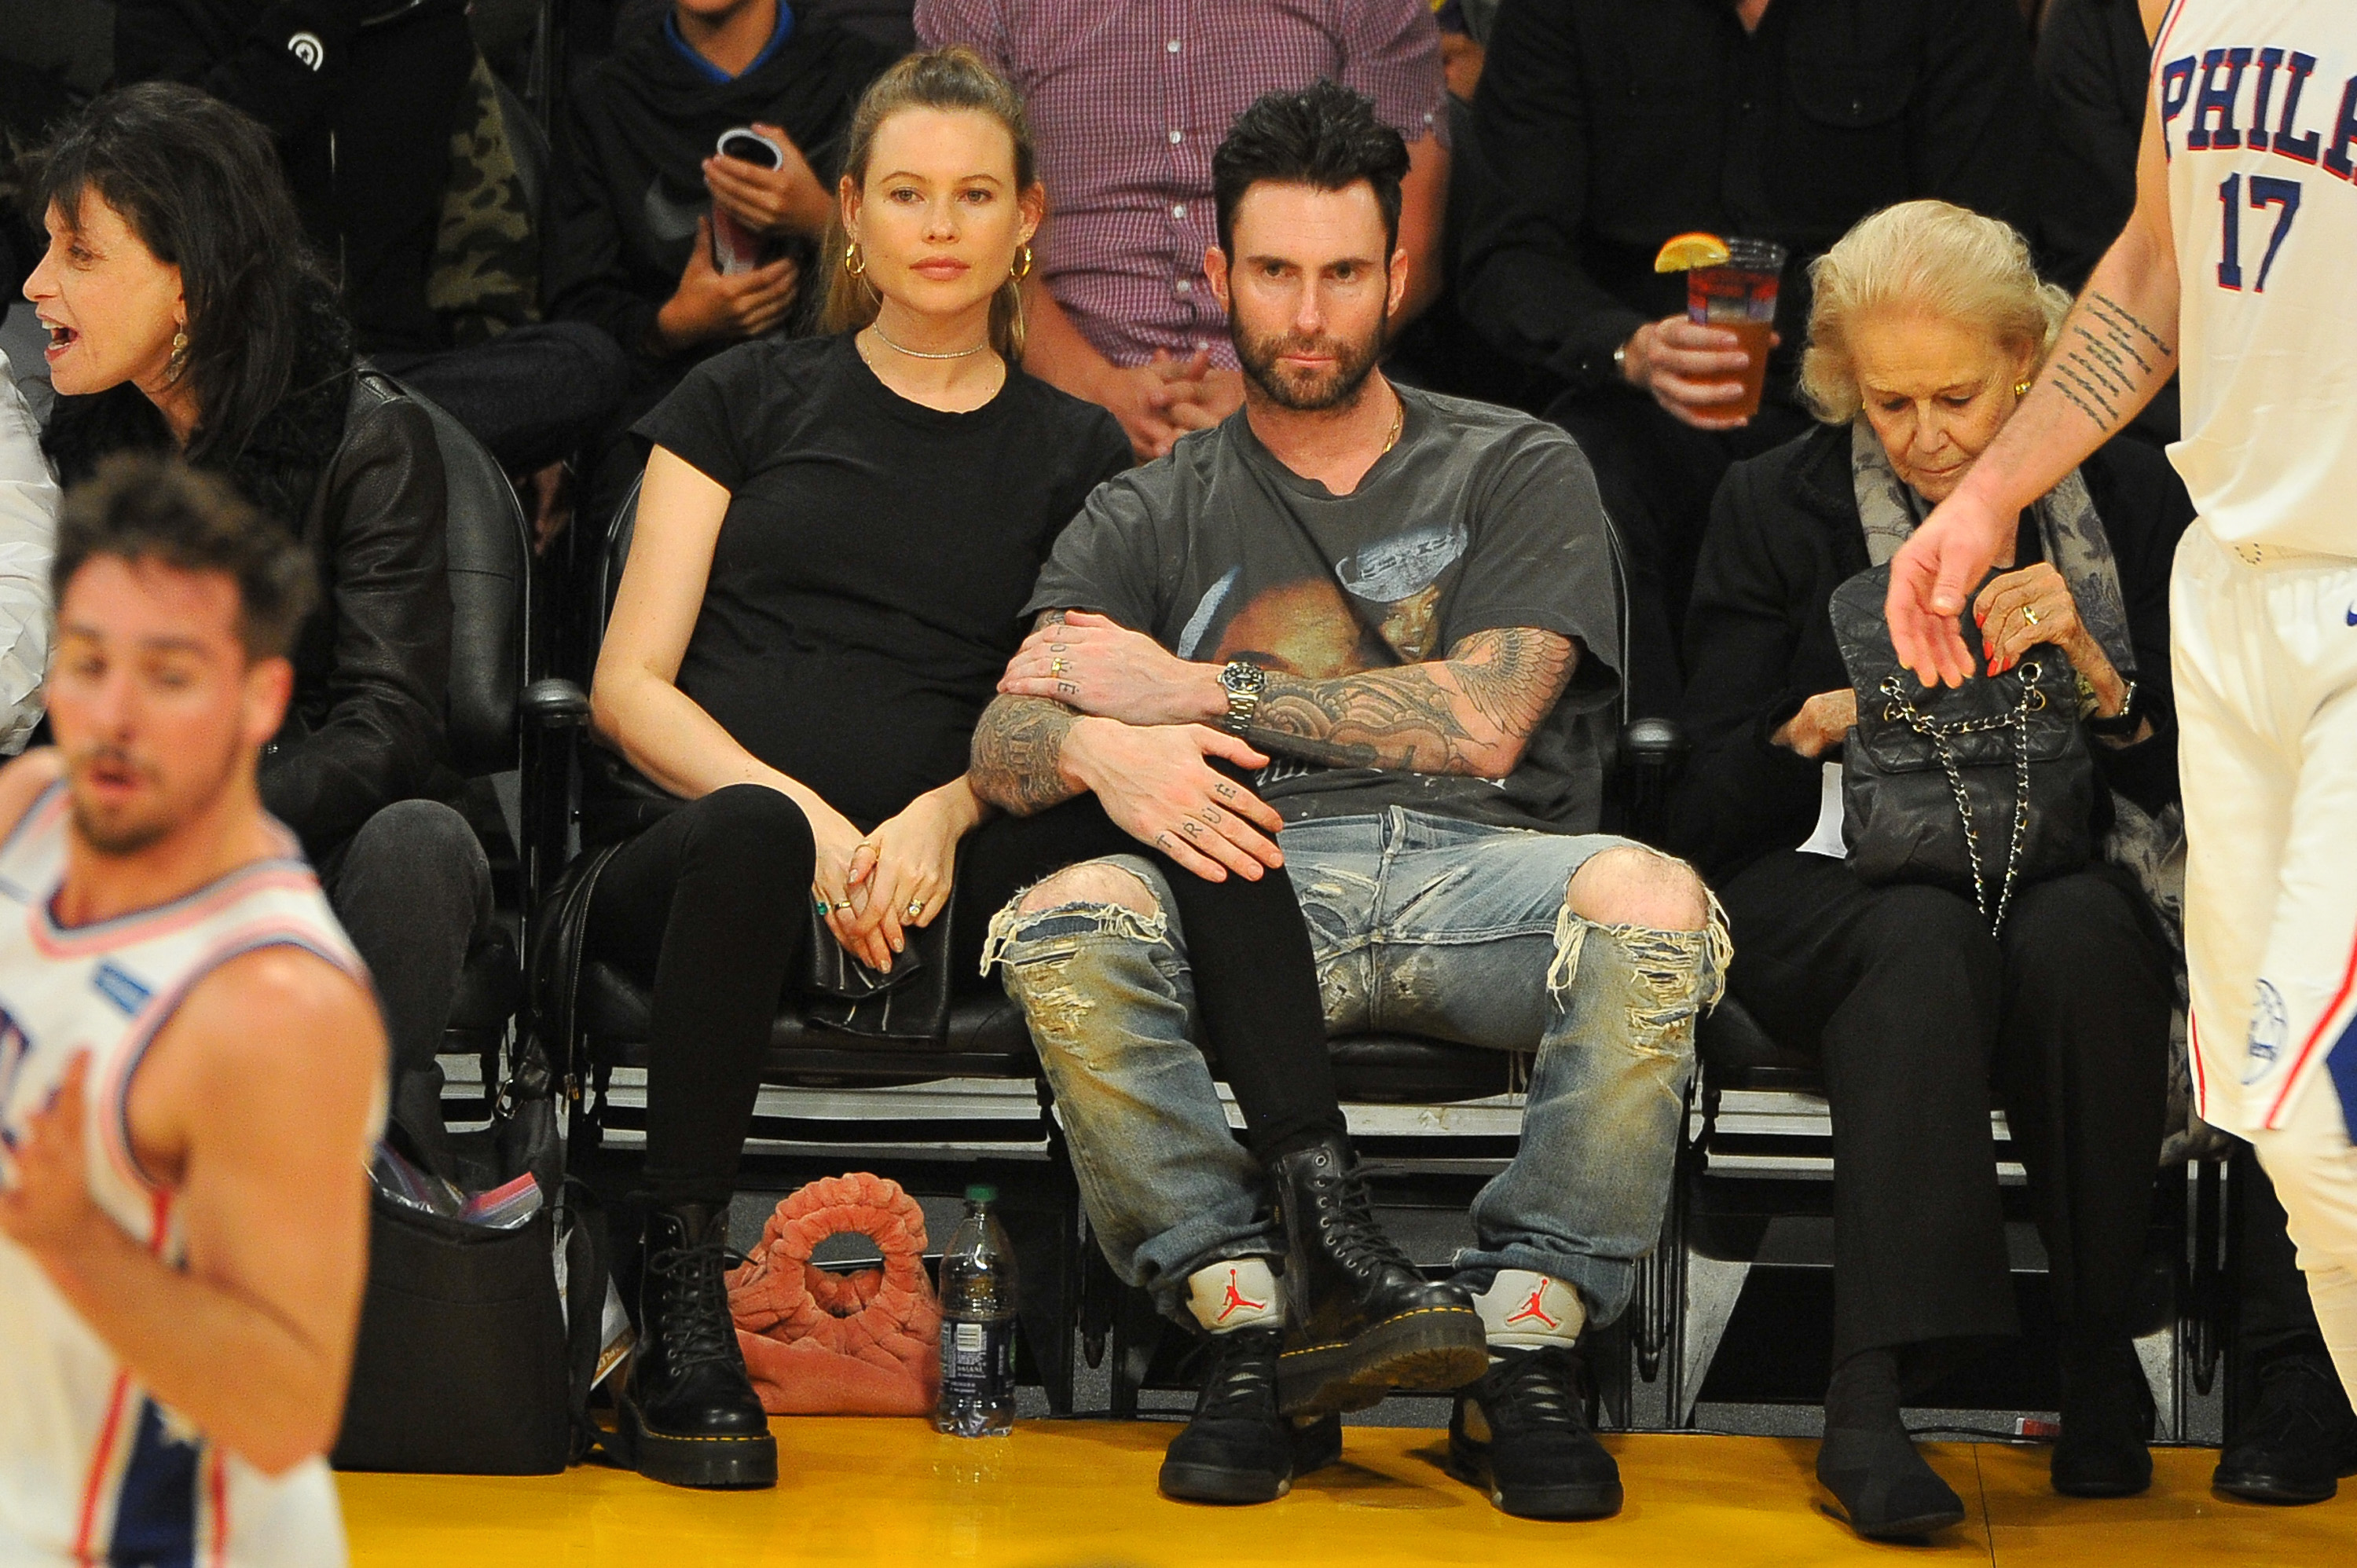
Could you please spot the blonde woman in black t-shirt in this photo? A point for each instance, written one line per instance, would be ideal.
(833, 542)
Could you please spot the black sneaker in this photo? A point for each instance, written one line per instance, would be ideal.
(1521, 1432)
(1236, 1448)
(2298, 1439)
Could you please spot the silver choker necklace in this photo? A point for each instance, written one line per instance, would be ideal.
(877, 328)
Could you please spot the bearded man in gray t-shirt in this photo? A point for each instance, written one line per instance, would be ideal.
(1405, 604)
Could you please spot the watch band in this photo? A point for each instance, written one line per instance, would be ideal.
(1244, 682)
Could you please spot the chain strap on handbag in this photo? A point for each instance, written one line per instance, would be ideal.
(1896, 707)
(1927, 772)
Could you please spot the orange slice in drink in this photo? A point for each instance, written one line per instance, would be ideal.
(1684, 252)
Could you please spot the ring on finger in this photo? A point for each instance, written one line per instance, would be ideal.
(1059, 666)
(822, 906)
(916, 907)
(2030, 615)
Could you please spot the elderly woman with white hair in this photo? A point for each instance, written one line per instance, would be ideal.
(1928, 321)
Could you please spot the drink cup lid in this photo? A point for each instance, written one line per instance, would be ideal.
(981, 1192)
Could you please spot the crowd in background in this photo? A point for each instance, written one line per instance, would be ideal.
(533, 226)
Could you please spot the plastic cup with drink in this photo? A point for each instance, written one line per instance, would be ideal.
(1731, 285)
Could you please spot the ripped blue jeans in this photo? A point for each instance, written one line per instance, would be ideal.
(1422, 925)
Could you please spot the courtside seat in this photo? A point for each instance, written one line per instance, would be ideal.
(926, 1110)
(489, 569)
(984, 1031)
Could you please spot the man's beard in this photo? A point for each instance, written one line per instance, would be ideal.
(1337, 388)
(117, 840)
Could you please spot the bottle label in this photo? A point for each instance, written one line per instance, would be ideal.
(977, 1363)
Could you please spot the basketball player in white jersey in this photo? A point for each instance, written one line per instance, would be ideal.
(2234, 270)
(189, 1065)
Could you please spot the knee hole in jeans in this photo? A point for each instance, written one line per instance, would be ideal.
(1632, 886)
(1093, 883)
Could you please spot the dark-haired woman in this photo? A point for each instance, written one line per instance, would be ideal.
(184, 314)
(833, 545)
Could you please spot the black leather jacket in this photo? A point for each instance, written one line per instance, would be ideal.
(372, 665)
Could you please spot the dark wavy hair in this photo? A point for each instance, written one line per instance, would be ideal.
(200, 183)
(1325, 136)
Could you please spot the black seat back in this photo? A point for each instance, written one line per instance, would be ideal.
(491, 584)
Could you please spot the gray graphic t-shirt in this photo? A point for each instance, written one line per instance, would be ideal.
(1479, 518)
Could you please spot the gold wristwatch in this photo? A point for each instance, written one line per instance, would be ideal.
(1245, 683)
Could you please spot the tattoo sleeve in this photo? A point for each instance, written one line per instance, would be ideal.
(2108, 361)
(1470, 713)
(1016, 759)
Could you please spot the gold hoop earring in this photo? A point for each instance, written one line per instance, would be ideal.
(1022, 267)
(853, 261)
(2021, 388)
(178, 365)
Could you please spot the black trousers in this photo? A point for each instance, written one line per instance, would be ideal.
(531, 394)
(1657, 475)
(1919, 1018)
(710, 907)
(412, 888)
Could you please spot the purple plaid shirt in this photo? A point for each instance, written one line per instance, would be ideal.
(1128, 99)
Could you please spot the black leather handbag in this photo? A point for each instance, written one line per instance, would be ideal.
(1983, 789)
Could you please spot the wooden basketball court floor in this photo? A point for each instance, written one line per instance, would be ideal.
(1080, 1494)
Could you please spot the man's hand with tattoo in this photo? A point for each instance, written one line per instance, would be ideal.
(2115, 350)
(1157, 784)
(1097, 666)
(1155, 781)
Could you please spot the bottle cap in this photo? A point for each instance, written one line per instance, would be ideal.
(981, 1192)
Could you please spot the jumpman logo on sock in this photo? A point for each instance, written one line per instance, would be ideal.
(1535, 1309)
(1236, 1300)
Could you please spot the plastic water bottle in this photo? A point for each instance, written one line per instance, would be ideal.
(977, 1324)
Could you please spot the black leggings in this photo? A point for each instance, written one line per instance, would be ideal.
(710, 907)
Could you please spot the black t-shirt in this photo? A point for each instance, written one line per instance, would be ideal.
(1479, 518)
(868, 583)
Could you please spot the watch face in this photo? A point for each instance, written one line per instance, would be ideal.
(1243, 677)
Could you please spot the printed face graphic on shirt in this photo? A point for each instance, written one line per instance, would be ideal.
(1385, 610)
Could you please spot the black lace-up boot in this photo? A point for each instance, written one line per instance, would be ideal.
(1521, 1435)
(1236, 1447)
(1360, 1320)
(689, 1415)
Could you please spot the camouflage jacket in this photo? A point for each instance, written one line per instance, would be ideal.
(486, 270)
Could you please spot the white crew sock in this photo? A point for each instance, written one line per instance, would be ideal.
(1240, 1293)
(1525, 1310)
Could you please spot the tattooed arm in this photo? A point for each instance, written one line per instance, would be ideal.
(1155, 781)
(2116, 348)
(1017, 759)
(1471, 712)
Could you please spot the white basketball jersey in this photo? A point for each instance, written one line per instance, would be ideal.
(2257, 101)
(93, 1469)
